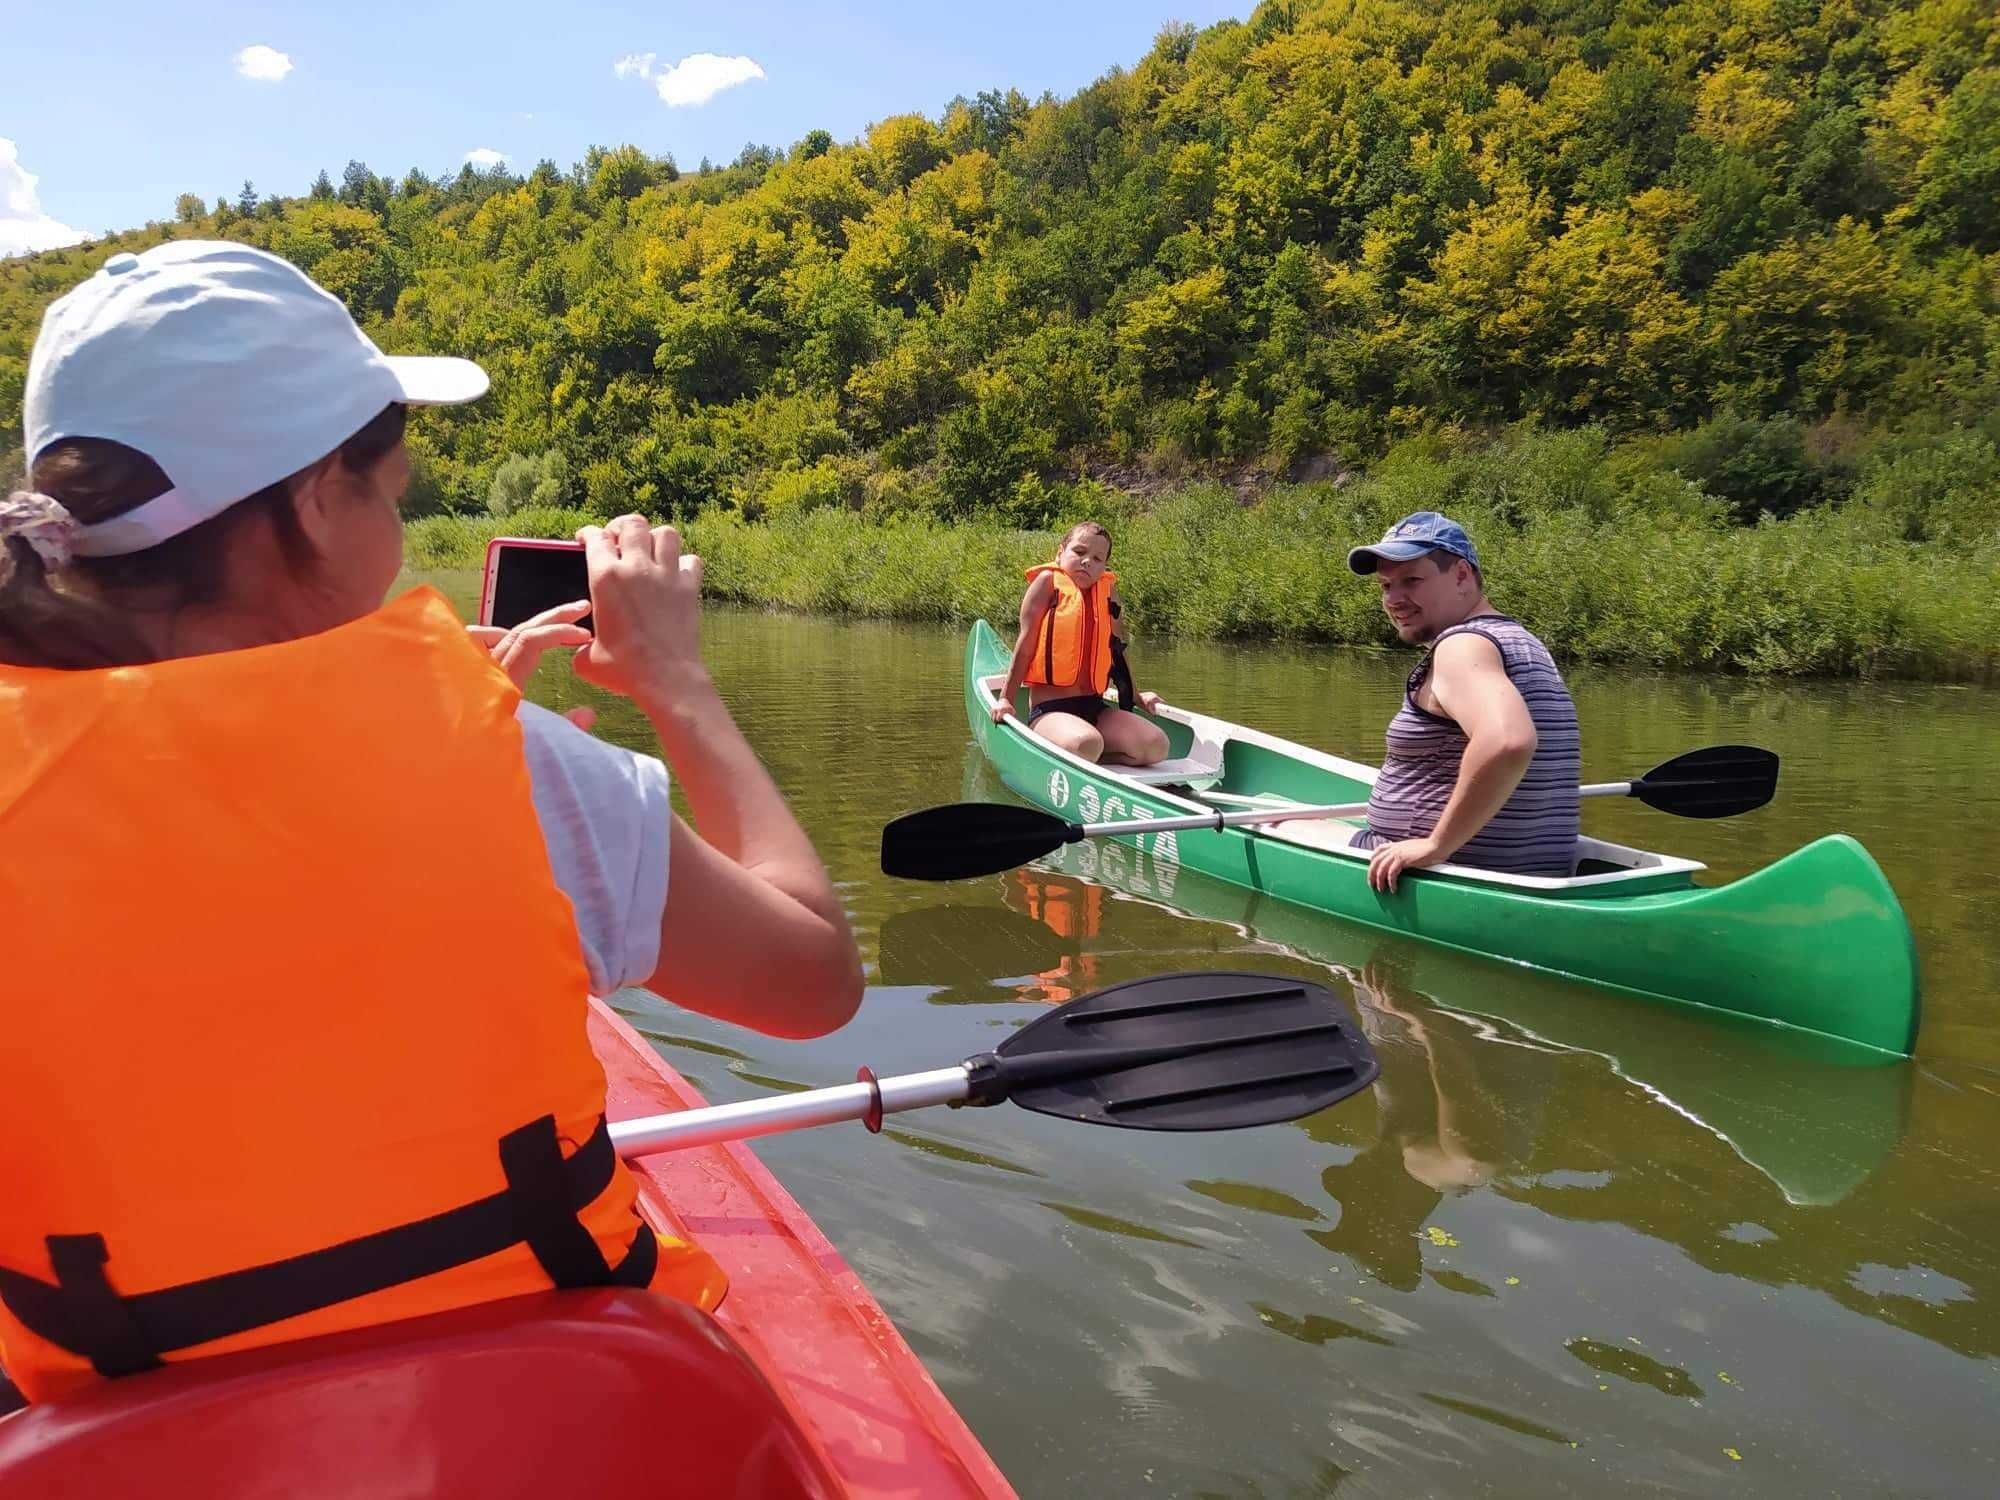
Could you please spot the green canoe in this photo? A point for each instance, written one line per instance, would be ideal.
(1816, 940)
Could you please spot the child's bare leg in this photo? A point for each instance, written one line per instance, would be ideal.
(1129, 739)
(1073, 734)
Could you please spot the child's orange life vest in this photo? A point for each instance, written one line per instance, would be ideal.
(293, 1037)
(1074, 646)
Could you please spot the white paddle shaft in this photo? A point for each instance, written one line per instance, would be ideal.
(755, 1117)
(1253, 815)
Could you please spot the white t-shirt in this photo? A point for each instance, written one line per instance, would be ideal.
(605, 814)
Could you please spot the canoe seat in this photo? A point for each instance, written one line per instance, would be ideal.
(1165, 771)
(601, 1393)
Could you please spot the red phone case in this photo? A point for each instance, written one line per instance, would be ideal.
(498, 545)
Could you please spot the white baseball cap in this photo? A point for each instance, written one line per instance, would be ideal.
(224, 365)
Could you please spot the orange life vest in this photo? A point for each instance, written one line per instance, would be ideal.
(293, 1037)
(1074, 646)
(1069, 910)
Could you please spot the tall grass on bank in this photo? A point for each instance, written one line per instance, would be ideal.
(459, 541)
(1651, 572)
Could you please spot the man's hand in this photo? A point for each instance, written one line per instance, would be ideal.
(1150, 702)
(1390, 860)
(1002, 711)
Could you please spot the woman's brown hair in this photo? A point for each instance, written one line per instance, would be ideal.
(79, 616)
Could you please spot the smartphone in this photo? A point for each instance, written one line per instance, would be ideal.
(525, 576)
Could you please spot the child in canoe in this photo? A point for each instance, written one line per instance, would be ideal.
(1070, 641)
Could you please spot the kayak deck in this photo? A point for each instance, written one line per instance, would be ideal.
(601, 1392)
(798, 1385)
(1816, 941)
(794, 1305)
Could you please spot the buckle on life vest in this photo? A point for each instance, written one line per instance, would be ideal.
(121, 1335)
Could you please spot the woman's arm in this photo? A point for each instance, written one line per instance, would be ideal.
(753, 931)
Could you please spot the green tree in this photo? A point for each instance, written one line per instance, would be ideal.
(1959, 200)
(1174, 332)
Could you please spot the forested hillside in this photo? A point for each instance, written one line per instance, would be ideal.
(1752, 246)
(1335, 224)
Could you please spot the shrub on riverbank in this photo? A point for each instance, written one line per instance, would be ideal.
(1608, 556)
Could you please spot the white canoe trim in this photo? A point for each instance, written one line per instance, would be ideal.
(1333, 835)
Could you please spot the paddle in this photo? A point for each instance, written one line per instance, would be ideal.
(978, 838)
(1214, 1051)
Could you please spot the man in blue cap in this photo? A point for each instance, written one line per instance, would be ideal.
(1484, 758)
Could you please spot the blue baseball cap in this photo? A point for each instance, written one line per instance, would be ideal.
(1417, 534)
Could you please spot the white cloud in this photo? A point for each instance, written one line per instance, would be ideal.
(692, 80)
(24, 228)
(486, 156)
(265, 64)
(698, 79)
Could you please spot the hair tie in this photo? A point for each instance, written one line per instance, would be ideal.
(43, 522)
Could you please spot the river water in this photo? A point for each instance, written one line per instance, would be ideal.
(1569, 1244)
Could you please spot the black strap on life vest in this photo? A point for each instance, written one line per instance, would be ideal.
(120, 1335)
(1121, 670)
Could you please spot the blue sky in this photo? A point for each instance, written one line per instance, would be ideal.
(109, 109)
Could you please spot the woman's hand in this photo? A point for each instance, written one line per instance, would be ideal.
(1002, 711)
(1150, 702)
(647, 598)
(519, 648)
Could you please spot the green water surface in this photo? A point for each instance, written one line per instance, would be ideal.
(1569, 1244)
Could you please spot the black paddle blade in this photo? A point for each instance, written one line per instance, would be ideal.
(1216, 1051)
(1718, 782)
(968, 838)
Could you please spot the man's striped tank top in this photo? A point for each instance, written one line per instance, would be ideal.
(1535, 833)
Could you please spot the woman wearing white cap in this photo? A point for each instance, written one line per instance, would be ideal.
(300, 903)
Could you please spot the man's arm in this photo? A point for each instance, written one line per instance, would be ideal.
(1472, 686)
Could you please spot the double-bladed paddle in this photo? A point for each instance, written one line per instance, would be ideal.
(1209, 1051)
(978, 838)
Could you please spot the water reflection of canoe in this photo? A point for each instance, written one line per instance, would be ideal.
(799, 1385)
(1816, 1118)
(1815, 941)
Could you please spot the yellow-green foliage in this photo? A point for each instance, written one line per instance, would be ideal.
(1316, 230)
(1750, 252)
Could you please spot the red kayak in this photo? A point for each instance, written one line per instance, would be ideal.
(799, 1385)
